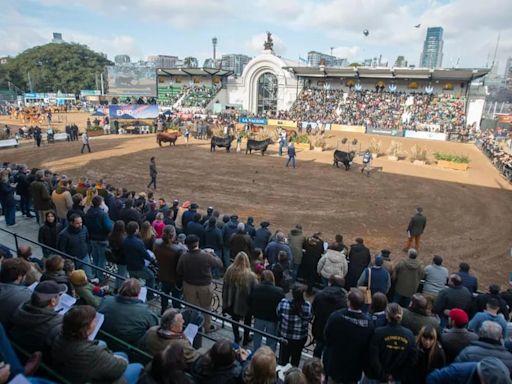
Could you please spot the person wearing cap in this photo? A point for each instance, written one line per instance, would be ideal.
(195, 270)
(489, 370)
(249, 227)
(152, 173)
(205, 218)
(416, 315)
(13, 291)
(36, 323)
(490, 313)
(189, 215)
(456, 337)
(379, 280)
(415, 229)
(262, 236)
(227, 231)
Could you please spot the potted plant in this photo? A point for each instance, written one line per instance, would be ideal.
(418, 155)
(302, 142)
(451, 161)
(394, 150)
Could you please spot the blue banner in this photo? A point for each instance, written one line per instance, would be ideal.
(133, 111)
(253, 120)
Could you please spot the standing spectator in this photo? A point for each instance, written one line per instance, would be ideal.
(430, 355)
(456, 337)
(227, 231)
(454, 296)
(436, 277)
(313, 251)
(85, 142)
(147, 235)
(282, 273)
(78, 206)
(152, 173)
(167, 255)
(137, 257)
(415, 229)
(126, 317)
(468, 280)
(295, 241)
(263, 301)
(349, 326)
(194, 227)
(39, 191)
(38, 136)
(7, 200)
(13, 291)
(195, 270)
(358, 259)
(489, 314)
(128, 213)
(99, 226)
(378, 309)
(291, 155)
(62, 200)
(274, 247)
(331, 263)
(115, 241)
(392, 350)
(74, 240)
(48, 232)
(249, 227)
(189, 215)
(23, 190)
(262, 235)
(375, 277)
(407, 276)
(158, 224)
(239, 281)
(325, 302)
(294, 317)
(416, 315)
(213, 237)
(492, 293)
(241, 242)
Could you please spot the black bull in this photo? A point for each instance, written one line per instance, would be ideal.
(221, 142)
(343, 157)
(257, 145)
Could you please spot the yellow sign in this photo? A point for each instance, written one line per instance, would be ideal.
(282, 123)
(348, 128)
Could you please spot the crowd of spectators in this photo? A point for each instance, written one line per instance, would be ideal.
(380, 109)
(493, 149)
(198, 96)
(370, 316)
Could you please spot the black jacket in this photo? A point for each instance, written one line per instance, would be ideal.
(455, 340)
(130, 214)
(263, 301)
(481, 302)
(417, 224)
(196, 228)
(358, 259)
(74, 242)
(48, 234)
(261, 238)
(452, 297)
(326, 302)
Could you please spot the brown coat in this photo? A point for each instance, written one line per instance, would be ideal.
(155, 341)
(167, 257)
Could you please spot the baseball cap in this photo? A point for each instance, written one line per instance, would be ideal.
(459, 317)
(379, 260)
(48, 289)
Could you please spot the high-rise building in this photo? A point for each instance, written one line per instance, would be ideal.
(400, 62)
(57, 37)
(316, 58)
(432, 54)
(164, 61)
(235, 62)
(190, 62)
(121, 59)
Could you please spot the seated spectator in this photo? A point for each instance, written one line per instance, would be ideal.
(220, 365)
(294, 376)
(436, 277)
(378, 309)
(469, 281)
(489, 344)
(169, 332)
(494, 293)
(262, 368)
(332, 262)
(489, 314)
(167, 366)
(83, 361)
(454, 296)
(456, 337)
(35, 324)
(87, 292)
(126, 317)
(314, 371)
(375, 277)
(34, 274)
(54, 270)
(13, 291)
(430, 354)
(489, 370)
(416, 316)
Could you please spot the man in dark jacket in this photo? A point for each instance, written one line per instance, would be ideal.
(262, 235)
(249, 227)
(137, 257)
(152, 172)
(454, 296)
(7, 201)
(456, 337)
(263, 301)
(274, 247)
(128, 213)
(407, 275)
(99, 226)
(189, 215)
(415, 229)
(347, 327)
(468, 280)
(416, 316)
(493, 293)
(358, 259)
(194, 227)
(23, 190)
(328, 300)
(74, 240)
(227, 231)
(13, 292)
(241, 242)
(36, 323)
(40, 193)
(295, 242)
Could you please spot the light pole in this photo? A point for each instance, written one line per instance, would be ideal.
(214, 43)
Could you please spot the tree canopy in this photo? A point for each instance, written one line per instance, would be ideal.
(65, 67)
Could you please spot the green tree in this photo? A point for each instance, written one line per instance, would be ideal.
(55, 67)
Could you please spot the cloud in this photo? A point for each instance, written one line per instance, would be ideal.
(255, 44)
(350, 53)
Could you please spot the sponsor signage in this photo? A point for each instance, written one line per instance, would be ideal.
(133, 111)
(426, 135)
(282, 123)
(253, 120)
(385, 132)
(348, 128)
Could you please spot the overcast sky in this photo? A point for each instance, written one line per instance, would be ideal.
(185, 27)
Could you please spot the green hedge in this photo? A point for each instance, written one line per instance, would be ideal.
(302, 139)
(462, 159)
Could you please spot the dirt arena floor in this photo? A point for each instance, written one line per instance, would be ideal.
(469, 213)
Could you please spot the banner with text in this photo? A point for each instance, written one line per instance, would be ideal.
(253, 120)
(314, 125)
(282, 123)
(348, 128)
(133, 111)
(385, 132)
(425, 135)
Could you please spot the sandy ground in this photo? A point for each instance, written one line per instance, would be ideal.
(469, 213)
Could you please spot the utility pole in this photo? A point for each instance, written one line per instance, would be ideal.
(102, 86)
(30, 82)
(332, 50)
(214, 43)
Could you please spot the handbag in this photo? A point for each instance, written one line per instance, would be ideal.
(366, 290)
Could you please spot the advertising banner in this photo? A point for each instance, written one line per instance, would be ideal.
(131, 80)
(426, 135)
(133, 111)
(90, 92)
(385, 132)
(348, 128)
(283, 123)
(314, 125)
(253, 120)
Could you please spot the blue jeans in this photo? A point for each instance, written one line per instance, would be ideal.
(170, 288)
(292, 159)
(98, 249)
(132, 372)
(8, 355)
(86, 268)
(146, 274)
(122, 270)
(266, 326)
(10, 215)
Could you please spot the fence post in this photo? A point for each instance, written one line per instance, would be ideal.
(16, 241)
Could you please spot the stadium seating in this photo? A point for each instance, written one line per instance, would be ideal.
(198, 96)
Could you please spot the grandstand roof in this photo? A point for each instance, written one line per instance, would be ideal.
(459, 74)
(193, 72)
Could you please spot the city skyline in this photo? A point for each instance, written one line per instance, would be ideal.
(170, 27)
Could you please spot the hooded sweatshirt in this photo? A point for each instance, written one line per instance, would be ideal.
(332, 263)
(407, 273)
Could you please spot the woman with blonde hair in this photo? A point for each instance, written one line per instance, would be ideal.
(88, 199)
(147, 234)
(262, 369)
(239, 281)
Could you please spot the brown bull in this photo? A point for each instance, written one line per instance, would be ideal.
(167, 138)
